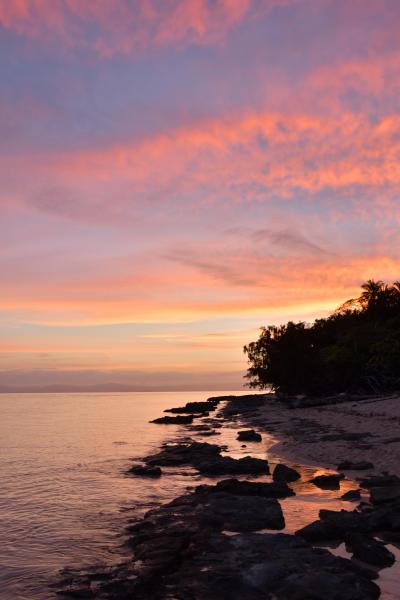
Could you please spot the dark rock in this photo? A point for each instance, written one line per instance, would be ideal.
(383, 517)
(391, 537)
(328, 482)
(334, 515)
(249, 488)
(347, 465)
(249, 435)
(206, 458)
(179, 420)
(200, 427)
(213, 507)
(208, 433)
(319, 531)
(380, 481)
(284, 473)
(183, 454)
(194, 407)
(180, 551)
(310, 586)
(248, 566)
(225, 465)
(379, 495)
(241, 513)
(146, 471)
(351, 495)
(244, 404)
(333, 525)
(392, 517)
(369, 550)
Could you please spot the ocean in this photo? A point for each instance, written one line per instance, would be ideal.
(65, 497)
(64, 493)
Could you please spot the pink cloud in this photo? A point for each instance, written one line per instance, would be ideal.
(133, 26)
(127, 26)
(250, 157)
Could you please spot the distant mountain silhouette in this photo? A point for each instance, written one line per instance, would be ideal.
(101, 387)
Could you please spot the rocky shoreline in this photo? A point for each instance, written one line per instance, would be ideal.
(221, 540)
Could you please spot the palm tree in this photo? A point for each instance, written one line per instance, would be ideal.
(396, 286)
(395, 290)
(372, 292)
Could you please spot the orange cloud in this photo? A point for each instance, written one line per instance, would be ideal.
(204, 284)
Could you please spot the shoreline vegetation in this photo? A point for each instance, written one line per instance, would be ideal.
(222, 539)
(354, 350)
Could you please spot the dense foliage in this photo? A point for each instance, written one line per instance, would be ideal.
(356, 349)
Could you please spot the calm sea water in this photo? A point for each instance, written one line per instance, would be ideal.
(64, 493)
(65, 497)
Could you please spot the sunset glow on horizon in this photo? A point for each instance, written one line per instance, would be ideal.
(176, 174)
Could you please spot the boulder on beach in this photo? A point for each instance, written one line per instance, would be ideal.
(369, 550)
(318, 531)
(328, 482)
(249, 435)
(380, 495)
(249, 488)
(226, 465)
(383, 517)
(284, 473)
(240, 512)
(380, 481)
(183, 454)
(333, 525)
(351, 495)
(213, 507)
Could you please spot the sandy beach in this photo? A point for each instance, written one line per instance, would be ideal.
(362, 430)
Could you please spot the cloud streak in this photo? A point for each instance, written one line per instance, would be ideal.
(289, 239)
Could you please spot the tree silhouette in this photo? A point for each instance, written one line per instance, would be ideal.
(372, 291)
(356, 349)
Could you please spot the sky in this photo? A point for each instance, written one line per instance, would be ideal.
(177, 173)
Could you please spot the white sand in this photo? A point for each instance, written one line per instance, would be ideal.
(300, 432)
